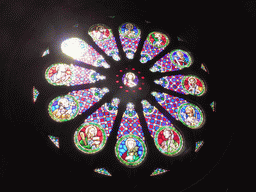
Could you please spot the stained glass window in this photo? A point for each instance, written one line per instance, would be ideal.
(105, 94)
(102, 171)
(79, 50)
(70, 75)
(130, 37)
(92, 135)
(154, 44)
(46, 52)
(103, 37)
(130, 148)
(173, 61)
(35, 94)
(158, 171)
(213, 105)
(188, 84)
(199, 144)
(55, 140)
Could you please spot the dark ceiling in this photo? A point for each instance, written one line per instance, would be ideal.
(29, 159)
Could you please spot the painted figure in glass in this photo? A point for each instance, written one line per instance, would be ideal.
(129, 31)
(179, 58)
(131, 155)
(130, 79)
(90, 138)
(64, 111)
(189, 116)
(157, 39)
(100, 33)
(168, 143)
(60, 74)
(193, 85)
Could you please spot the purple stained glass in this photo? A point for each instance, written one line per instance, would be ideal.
(79, 50)
(154, 44)
(183, 84)
(88, 97)
(170, 103)
(130, 36)
(130, 123)
(154, 118)
(103, 37)
(70, 75)
(105, 115)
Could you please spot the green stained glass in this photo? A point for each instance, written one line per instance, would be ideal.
(90, 138)
(63, 108)
(199, 144)
(168, 140)
(102, 171)
(55, 140)
(158, 171)
(213, 106)
(35, 94)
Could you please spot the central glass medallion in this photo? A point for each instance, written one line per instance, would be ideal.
(130, 79)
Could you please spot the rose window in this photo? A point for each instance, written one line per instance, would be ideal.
(122, 84)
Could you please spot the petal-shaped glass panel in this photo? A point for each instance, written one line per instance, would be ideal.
(67, 107)
(79, 50)
(95, 130)
(88, 97)
(102, 35)
(70, 75)
(130, 37)
(173, 61)
(154, 118)
(188, 84)
(167, 139)
(154, 44)
(188, 113)
(130, 148)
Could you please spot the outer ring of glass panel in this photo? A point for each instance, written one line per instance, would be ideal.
(120, 30)
(132, 164)
(100, 24)
(203, 85)
(90, 151)
(180, 66)
(67, 119)
(58, 84)
(166, 43)
(199, 124)
(161, 149)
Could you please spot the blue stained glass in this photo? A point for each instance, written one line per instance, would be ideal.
(130, 126)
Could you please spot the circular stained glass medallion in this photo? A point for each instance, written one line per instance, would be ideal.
(90, 138)
(130, 79)
(193, 85)
(130, 150)
(58, 74)
(63, 108)
(180, 58)
(190, 115)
